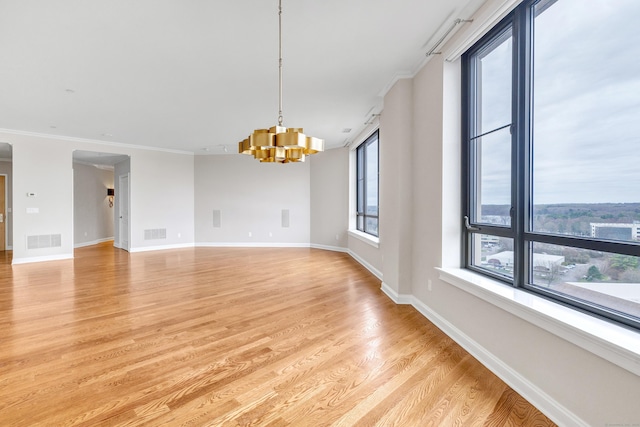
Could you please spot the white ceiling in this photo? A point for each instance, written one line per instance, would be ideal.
(198, 75)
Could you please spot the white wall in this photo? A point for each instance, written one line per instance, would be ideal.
(43, 167)
(250, 197)
(161, 193)
(330, 198)
(161, 198)
(92, 216)
(397, 186)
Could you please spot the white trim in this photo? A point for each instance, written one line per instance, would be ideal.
(478, 28)
(366, 265)
(396, 297)
(329, 248)
(614, 343)
(364, 237)
(27, 260)
(250, 245)
(367, 129)
(94, 242)
(92, 141)
(538, 398)
(160, 248)
(6, 215)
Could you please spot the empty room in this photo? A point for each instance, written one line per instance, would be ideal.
(303, 213)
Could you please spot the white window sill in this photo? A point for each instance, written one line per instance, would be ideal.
(614, 343)
(366, 238)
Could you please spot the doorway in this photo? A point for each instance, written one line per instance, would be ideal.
(97, 197)
(6, 232)
(123, 211)
(3, 213)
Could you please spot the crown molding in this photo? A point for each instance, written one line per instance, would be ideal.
(92, 141)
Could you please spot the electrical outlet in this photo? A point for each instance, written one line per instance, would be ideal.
(250, 235)
(429, 287)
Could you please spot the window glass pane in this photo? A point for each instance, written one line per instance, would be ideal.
(493, 180)
(493, 89)
(493, 253)
(586, 131)
(360, 207)
(602, 278)
(372, 178)
(371, 226)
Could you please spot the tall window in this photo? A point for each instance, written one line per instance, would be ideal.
(367, 185)
(551, 154)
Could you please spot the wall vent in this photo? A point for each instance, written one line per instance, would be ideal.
(44, 241)
(155, 233)
(285, 218)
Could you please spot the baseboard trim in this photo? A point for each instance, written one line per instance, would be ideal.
(28, 260)
(365, 264)
(329, 248)
(94, 242)
(396, 297)
(250, 245)
(538, 398)
(160, 248)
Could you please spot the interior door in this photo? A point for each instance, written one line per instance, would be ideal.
(123, 213)
(3, 214)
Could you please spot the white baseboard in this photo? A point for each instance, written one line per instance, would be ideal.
(161, 248)
(329, 248)
(396, 297)
(250, 245)
(28, 260)
(94, 242)
(538, 398)
(365, 264)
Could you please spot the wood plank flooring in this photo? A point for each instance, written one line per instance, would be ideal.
(230, 337)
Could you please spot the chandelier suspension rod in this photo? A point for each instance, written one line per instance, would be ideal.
(280, 117)
(278, 143)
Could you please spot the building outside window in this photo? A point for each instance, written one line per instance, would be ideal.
(367, 167)
(551, 156)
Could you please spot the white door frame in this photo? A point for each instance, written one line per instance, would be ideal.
(6, 211)
(124, 233)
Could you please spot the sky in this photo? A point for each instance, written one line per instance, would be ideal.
(586, 106)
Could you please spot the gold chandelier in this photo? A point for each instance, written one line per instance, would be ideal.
(278, 143)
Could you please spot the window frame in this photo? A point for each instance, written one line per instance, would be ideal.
(519, 21)
(361, 195)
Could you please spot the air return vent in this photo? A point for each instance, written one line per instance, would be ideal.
(44, 241)
(155, 234)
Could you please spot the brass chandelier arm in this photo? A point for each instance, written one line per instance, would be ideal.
(279, 144)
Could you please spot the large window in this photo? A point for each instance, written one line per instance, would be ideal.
(551, 154)
(367, 185)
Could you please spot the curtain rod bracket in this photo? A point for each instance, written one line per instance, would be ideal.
(432, 51)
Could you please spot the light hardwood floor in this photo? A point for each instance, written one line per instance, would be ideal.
(220, 336)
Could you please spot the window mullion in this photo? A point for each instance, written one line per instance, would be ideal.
(521, 139)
